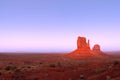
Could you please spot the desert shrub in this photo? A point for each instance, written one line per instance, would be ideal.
(40, 63)
(116, 62)
(7, 68)
(23, 67)
(98, 71)
(17, 70)
(82, 77)
(110, 66)
(52, 65)
(36, 79)
(0, 73)
(29, 67)
(10, 63)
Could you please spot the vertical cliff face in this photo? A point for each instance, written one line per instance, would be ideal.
(82, 45)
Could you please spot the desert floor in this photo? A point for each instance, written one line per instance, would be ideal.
(34, 66)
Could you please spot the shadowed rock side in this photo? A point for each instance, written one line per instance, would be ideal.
(83, 48)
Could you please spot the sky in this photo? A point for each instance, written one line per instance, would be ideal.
(54, 25)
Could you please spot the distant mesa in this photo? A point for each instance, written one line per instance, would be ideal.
(83, 48)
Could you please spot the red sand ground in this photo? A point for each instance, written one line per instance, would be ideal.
(58, 67)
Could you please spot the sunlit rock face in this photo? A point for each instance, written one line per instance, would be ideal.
(82, 44)
(83, 47)
(96, 49)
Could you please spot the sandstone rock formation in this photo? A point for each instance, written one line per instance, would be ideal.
(83, 48)
(82, 44)
(96, 49)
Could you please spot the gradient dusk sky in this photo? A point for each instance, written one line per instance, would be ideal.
(54, 25)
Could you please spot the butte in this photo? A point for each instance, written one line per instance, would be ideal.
(83, 48)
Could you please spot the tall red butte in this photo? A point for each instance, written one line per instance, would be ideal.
(83, 48)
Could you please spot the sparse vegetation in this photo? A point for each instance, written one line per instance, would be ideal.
(116, 62)
(40, 63)
(36, 79)
(7, 68)
(29, 67)
(10, 67)
(17, 70)
(55, 68)
(0, 73)
(52, 65)
(82, 77)
(100, 70)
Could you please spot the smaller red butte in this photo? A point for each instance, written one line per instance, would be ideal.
(96, 48)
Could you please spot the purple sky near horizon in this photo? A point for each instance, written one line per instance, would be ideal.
(54, 25)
